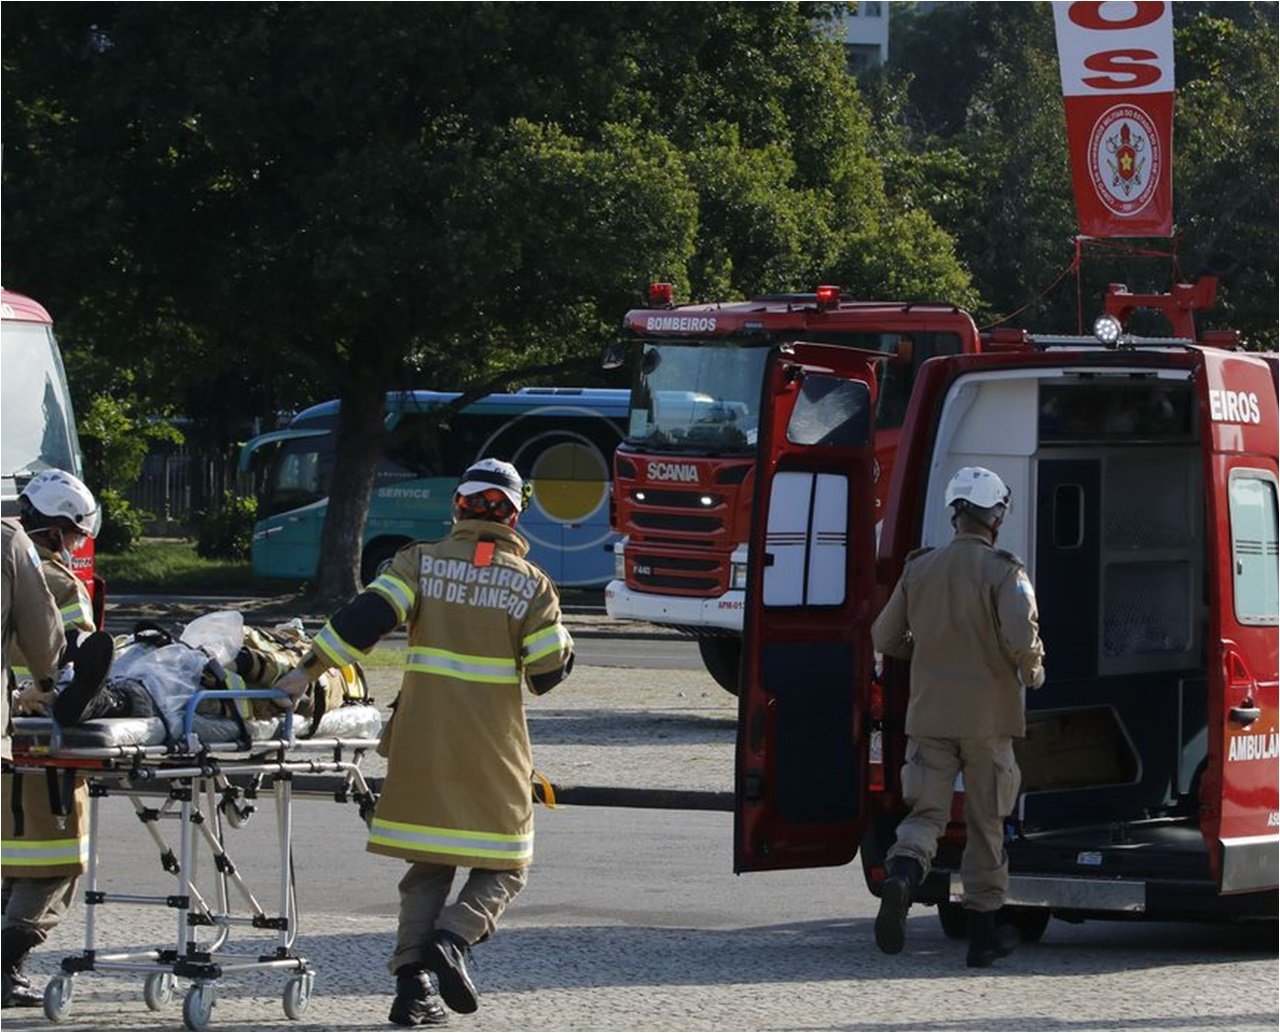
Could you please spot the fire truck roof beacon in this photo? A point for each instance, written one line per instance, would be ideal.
(661, 295)
(828, 296)
(1107, 330)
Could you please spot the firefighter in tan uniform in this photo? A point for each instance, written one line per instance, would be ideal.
(482, 620)
(44, 854)
(965, 616)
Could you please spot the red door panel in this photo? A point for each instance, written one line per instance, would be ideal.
(801, 783)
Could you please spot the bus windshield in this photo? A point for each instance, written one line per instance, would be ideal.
(39, 428)
(698, 395)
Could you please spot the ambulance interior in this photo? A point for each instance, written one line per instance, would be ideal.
(1107, 514)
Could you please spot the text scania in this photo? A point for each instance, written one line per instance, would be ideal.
(493, 588)
(1253, 747)
(685, 472)
(696, 324)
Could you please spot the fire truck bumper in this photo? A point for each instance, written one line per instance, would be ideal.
(720, 615)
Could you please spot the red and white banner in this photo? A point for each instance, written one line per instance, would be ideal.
(1117, 83)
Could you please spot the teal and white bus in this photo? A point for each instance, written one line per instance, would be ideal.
(561, 439)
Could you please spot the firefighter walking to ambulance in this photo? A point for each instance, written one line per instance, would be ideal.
(45, 848)
(965, 616)
(481, 620)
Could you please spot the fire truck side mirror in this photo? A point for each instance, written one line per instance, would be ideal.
(613, 357)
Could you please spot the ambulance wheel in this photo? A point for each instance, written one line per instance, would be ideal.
(297, 996)
(159, 989)
(197, 1006)
(955, 926)
(722, 657)
(57, 998)
(1031, 922)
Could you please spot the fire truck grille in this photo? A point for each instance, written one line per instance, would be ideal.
(676, 562)
(677, 522)
(675, 499)
(688, 584)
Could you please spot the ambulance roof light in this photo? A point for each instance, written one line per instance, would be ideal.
(661, 295)
(1107, 329)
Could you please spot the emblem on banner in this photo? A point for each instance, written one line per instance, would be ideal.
(1126, 159)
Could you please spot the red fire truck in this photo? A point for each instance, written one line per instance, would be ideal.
(37, 422)
(1144, 479)
(683, 482)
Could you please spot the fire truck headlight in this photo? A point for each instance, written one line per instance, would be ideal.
(1107, 330)
(738, 576)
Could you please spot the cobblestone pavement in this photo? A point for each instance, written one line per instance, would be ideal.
(633, 920)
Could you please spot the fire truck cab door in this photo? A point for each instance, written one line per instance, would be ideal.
(801, 774)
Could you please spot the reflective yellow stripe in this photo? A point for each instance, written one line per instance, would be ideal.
(429, 840)
(77, 613)
(493, 669)
(244, 707)
(46, 852)
(396, 592)
(548, 640)
(332, 645)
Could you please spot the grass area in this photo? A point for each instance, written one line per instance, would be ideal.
(171, 565)
(383, 656)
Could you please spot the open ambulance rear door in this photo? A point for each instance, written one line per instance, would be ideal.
(801, 780)
(1240, 791)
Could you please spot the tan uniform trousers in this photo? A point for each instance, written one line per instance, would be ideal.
(424, 907)
(38, 905)
(991, 780)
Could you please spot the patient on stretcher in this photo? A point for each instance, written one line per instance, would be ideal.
(154, 675)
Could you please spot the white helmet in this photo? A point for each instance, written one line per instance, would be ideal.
(56, 493)
(979, 487)
(494, 473)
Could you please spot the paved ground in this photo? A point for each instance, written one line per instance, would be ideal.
(633, 920)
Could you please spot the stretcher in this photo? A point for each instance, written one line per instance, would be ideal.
(209, 784)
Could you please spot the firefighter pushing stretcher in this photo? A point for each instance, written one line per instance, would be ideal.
(44, 852)
(481, 620)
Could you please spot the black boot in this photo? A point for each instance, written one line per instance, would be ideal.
(87, 697)
(416, 1003)
(16, 991)
(905, 874)
(446, 957)
(988, 941)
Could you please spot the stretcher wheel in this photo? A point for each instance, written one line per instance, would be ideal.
(237, 816)
(57, 998)
(159, 989)
(197, 1006)
(297, 996)
(955, 926)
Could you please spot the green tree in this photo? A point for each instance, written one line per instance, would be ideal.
(291, 201)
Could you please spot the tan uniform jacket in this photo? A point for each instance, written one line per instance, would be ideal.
(965, 616)
(40, 844)
(30, 617)
(458, 785)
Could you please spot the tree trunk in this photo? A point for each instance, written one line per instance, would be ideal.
(356, 453)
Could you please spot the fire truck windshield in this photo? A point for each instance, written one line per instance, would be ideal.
(698, 395)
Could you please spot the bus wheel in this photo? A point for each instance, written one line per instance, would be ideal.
(722, 656)
(378, 555)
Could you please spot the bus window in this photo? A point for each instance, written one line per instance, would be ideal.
(300, 475)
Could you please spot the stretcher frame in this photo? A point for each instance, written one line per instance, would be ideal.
(206, 787)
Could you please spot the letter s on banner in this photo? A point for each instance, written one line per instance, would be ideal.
(1116, 61)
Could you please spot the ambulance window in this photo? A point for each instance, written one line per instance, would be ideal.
(831, 411)
(1253, 548)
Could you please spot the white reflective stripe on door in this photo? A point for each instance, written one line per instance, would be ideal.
(807, 537)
